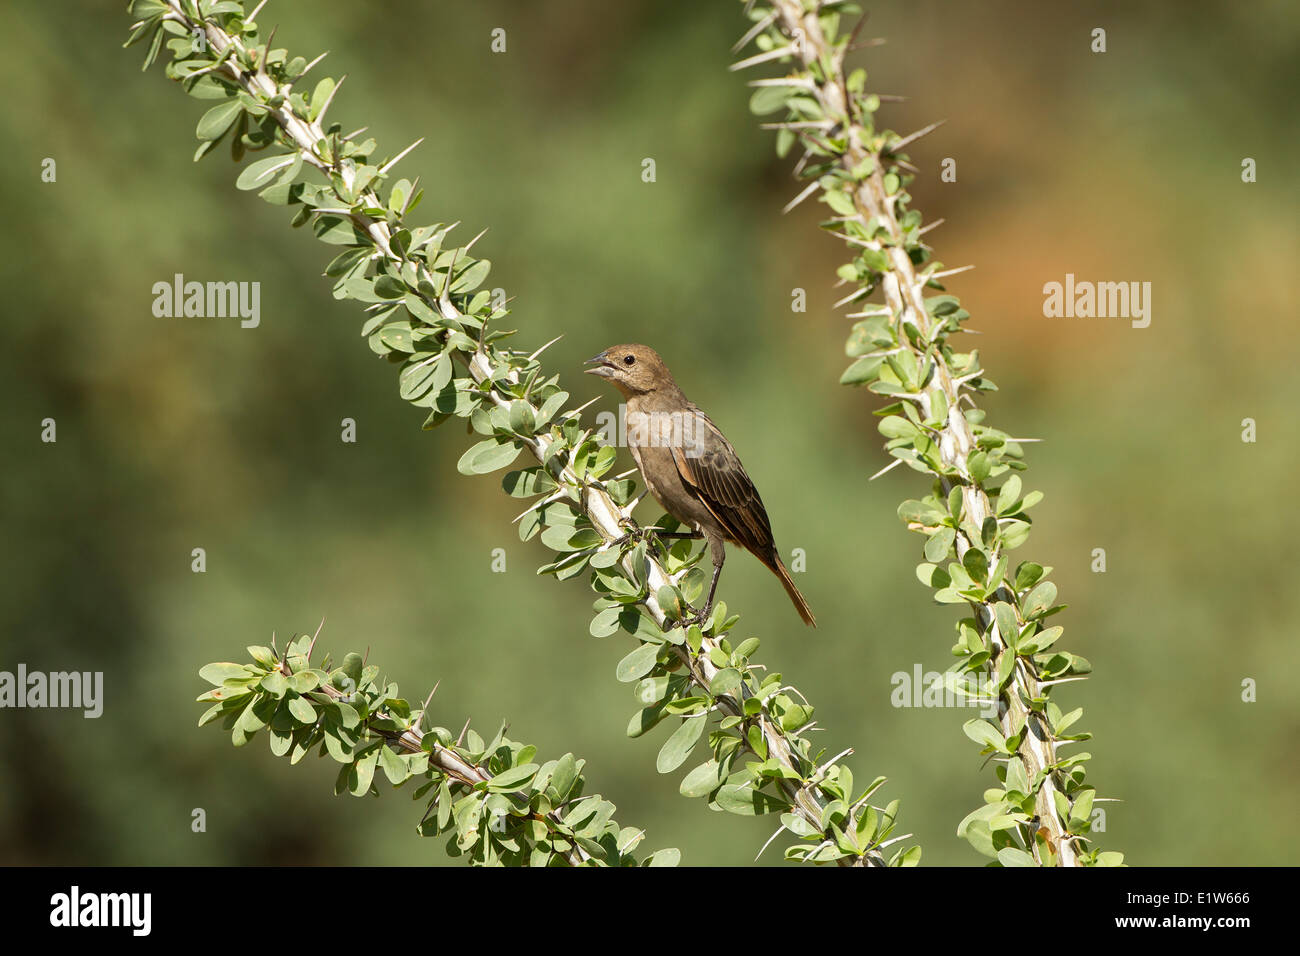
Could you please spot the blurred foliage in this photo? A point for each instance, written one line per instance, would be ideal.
(176, 434)
(496, 805)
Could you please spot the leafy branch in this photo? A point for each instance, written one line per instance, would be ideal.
(426, 313)
(499, 806)
(1041, 813)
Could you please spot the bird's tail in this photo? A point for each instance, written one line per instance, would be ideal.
(779, 569)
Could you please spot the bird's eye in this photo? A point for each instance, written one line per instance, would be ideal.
(629, 359)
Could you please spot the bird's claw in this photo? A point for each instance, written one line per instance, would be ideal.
(697, 619)
(632, 533)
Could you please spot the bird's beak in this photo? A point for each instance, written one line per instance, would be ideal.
(603, 368)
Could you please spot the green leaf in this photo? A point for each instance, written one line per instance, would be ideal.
(1014, 856)
(909, 857)
(679, 746)
(864, 369)
(982, 732)
(606, 622)
(939, 545)
(365, 773)
(515, 778)
(395, 768)
(1039, 599)
(214, 123)
(840, 202)
(563, 776)
(472, 277)
(1009, 495)
(319, 96)
(522, 420)
(894, 426)
(748, 802)
(388, 287)
(769, 99)
(302, 710)
(1027, 574)
(219, 673)
(261, 173)
(1008, 626)
(1017, 779)
(637, 664)
(974, 828)
(725, 681)
(429, 374)
(274, 684)
(487, 456)
(700, 781)
(976, 563)
(667, 857)
(798, 825)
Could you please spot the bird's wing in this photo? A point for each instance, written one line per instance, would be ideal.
(711, 470)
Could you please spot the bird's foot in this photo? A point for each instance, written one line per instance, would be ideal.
(632, 532)
(697, 619)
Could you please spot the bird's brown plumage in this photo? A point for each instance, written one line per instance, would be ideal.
(689, 466)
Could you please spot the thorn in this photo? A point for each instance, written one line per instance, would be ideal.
(462, 732)
(266, 50)
(924, 130)
(811, 188)
(800, 81)
(312, 646)
(892, 98)
(393, 162)
(857, 27)
(320, 115)
(754, 31)
(867, 44)
(802, 124)
(253, 16)
(627, 512)
(769, 842)
(906, 165)
(307, 69)
(855, 241)
(579, 410)
(881, 846)
(275, 169)
(776, 54)
(356, 132)
(817, 774)
(949, 272)
(415, 190)
(924, 229)
(540, 503)
(890, 467)
(546, 346)
(470, 245)
(444, 300)
(869, 313)
(850, 297)
(425, 709)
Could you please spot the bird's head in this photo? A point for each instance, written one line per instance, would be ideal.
(633, 369)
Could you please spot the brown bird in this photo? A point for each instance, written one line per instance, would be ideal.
(690, 467)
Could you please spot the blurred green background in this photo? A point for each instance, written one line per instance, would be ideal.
(176, 434)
